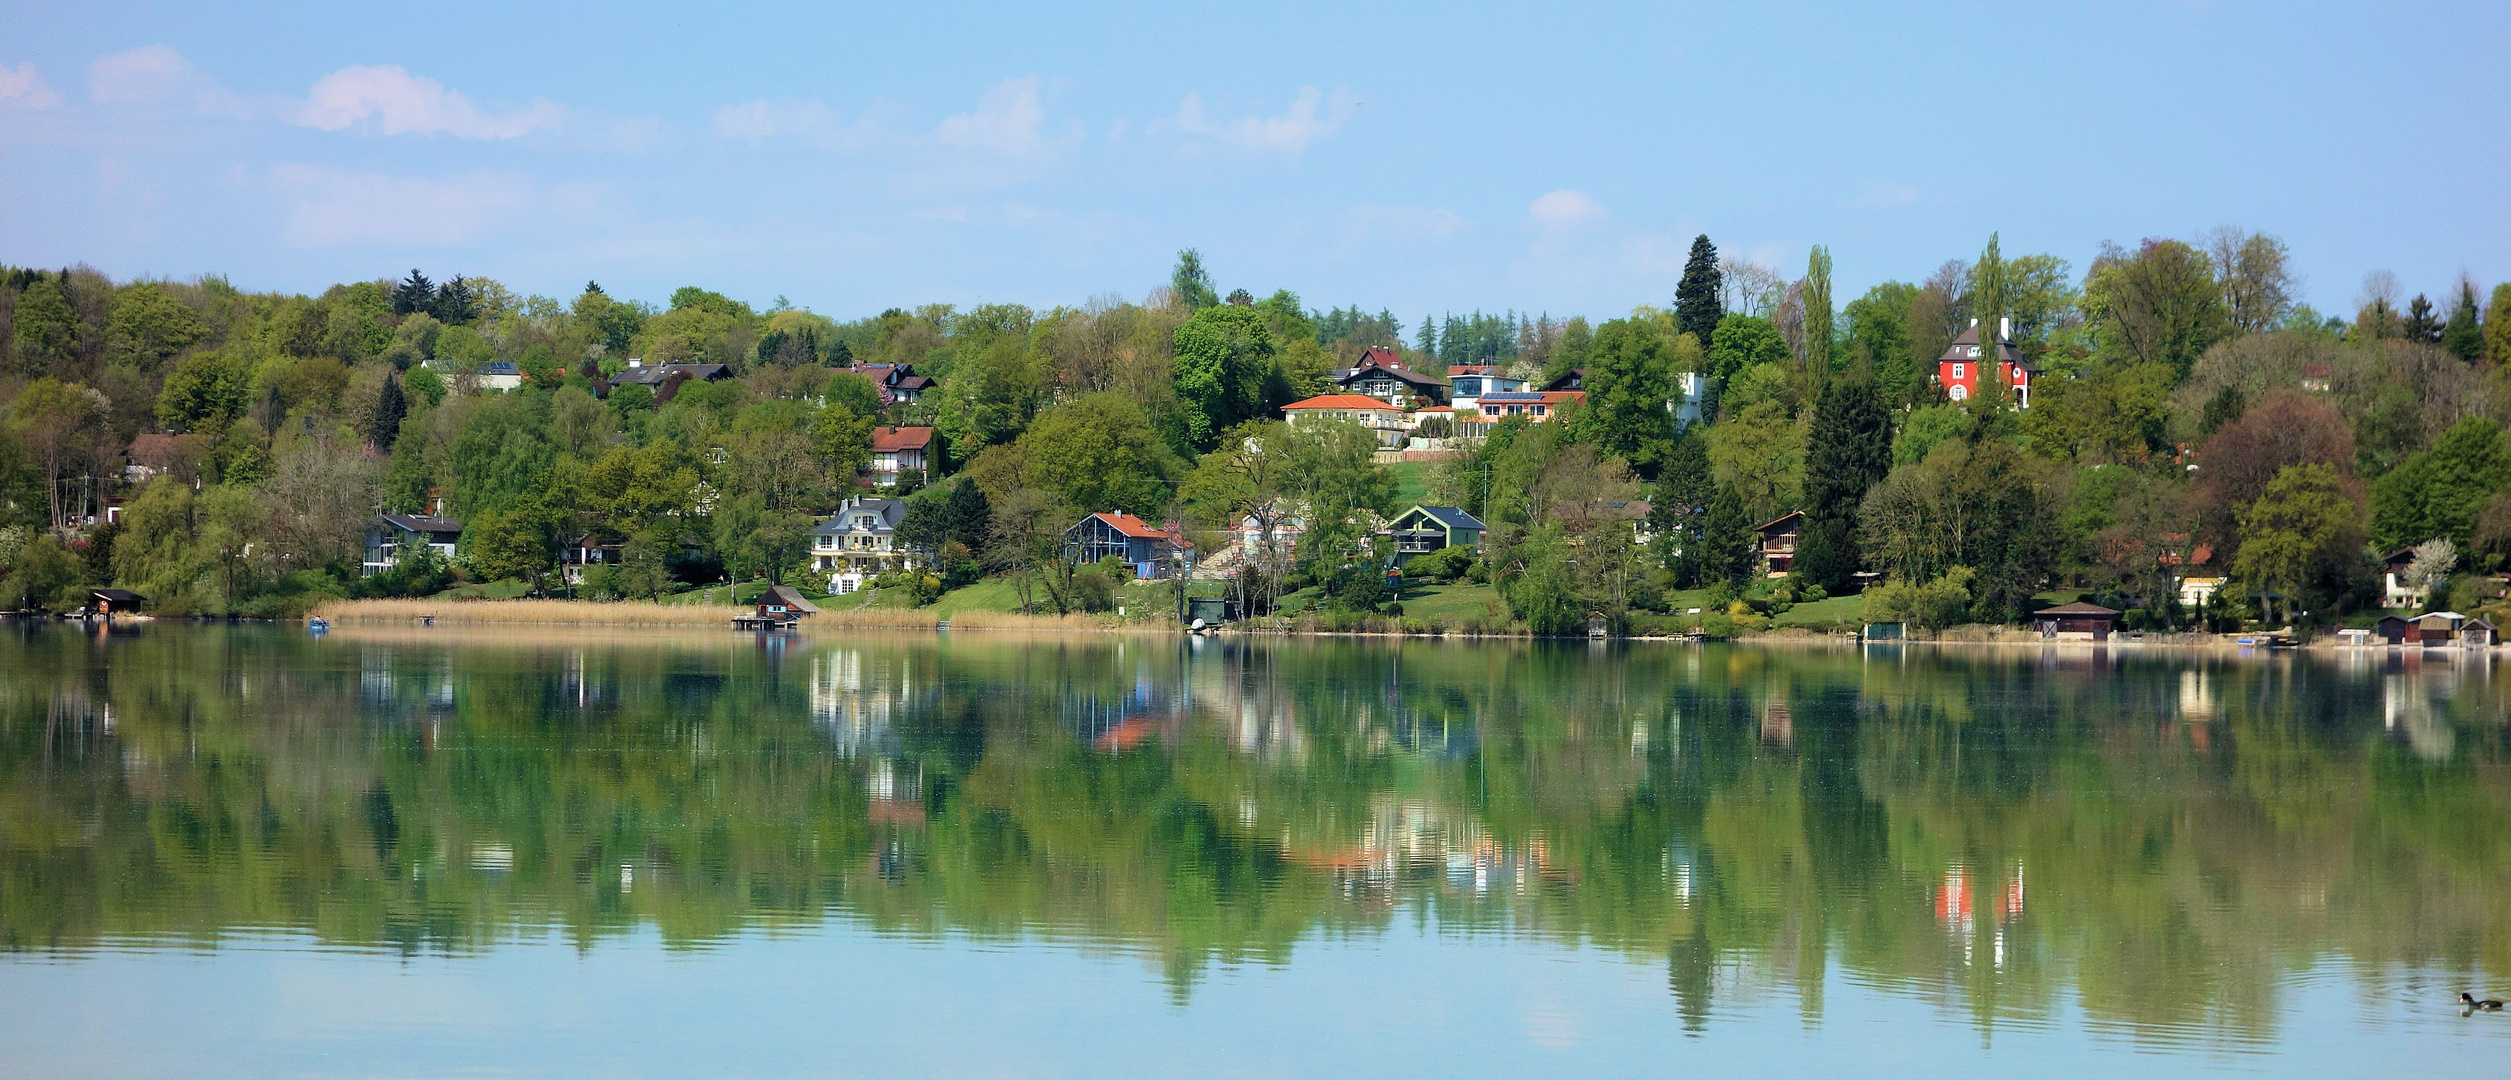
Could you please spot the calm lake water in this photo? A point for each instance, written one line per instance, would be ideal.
(249, 852)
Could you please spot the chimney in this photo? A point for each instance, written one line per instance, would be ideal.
(2005, 328)
(1974, 322)
(636, 362)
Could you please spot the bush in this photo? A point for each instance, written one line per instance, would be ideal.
(1934, 605)
(1445, 564)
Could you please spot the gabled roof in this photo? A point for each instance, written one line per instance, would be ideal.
(1573, 379)
(1782, 519)
(1449, 516)
(790, 597)
(2076, 608)
(117, 597)
(1959, 351)
(893, 439)
(1383, 361)
(421, 523)
(1341, 401)
(1127, 524)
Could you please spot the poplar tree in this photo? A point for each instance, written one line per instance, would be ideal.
(1818, 313)
(1696, 305)
(1990, 297)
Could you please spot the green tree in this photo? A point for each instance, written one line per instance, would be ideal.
(1759, 453)
(1850, 450)
(1629, 381)
(2461, 335)
(1728, 543)
(1099, 452)
(2439, 492)
(512, 544)
(2497, 330)
(391, 407)
(44, 331)
(1697, 303)
(1191, 283)
(1222, 357)
(58, 424)
(2161, 305)
(1818, 313)
(1740, 341)
(148, 326)
(2296, 535)
(1878, 339)
(413, 294)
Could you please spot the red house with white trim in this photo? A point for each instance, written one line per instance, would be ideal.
(1964, 366)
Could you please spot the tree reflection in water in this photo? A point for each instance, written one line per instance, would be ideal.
(2165, 839)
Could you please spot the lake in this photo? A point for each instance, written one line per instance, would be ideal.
(247, 851)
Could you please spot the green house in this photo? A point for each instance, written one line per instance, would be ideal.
(1424, 529)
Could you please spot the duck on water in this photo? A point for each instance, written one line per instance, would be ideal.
(2474, 1005)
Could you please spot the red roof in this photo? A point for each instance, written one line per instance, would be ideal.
(1341, 401)
(890, 440)
(1130, 525)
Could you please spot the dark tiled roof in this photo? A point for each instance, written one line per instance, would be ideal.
(421, 523)
(2077, 608)
(1452, 517)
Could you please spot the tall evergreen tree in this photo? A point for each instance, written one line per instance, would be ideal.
(2421, 323)
(1697, 307)
(1726, 542)
(1191, 283)
(968, 515)
(1679, 506)
(414, 294)
(2461, 335)
(1850, 451)
(456, 303)
(390, 408)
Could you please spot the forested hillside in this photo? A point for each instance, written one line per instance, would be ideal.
(2187, 417)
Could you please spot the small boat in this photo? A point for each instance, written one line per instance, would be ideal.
(318, 625)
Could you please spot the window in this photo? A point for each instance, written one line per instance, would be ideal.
(1960, 392)
(1958, 370)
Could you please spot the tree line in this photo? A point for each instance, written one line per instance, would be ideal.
(2189, 415)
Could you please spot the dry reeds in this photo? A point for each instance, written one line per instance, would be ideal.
(525, 612)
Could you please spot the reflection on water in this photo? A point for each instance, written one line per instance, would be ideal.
(2173, 848)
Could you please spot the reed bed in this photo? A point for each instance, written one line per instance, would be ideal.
(527, 612)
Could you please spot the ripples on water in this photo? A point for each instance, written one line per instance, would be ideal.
(2208, 857)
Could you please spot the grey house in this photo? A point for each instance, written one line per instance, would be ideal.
(386, 537)
(1424, 529)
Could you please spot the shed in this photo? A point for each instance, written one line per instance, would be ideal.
(2393, 629)
(1212, 610)
(2077, 620)
(115, 601)
(784, 604)
(2436, 628)
(2477, 634)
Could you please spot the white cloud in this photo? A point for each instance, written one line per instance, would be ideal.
(399, 103)
(334, 208)
(1007, 120)
(23, 87)
(1311, 116)
(1564, 208)
(811, 121)
(157, 74)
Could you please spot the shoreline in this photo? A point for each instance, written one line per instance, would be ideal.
(647, 615)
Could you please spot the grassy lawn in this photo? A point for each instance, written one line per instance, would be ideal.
(1838, 610)
(1453, 604)
(1412, 482)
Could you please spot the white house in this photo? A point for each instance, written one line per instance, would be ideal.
(1386, 420)
(858, 540)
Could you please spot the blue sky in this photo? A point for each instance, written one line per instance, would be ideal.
(1427, 158)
